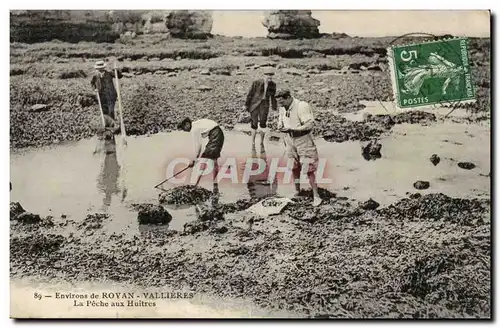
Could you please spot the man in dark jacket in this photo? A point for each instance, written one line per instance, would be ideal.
(259, 97)
(102, 82)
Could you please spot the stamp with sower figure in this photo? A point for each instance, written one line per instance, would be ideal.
(431, 73)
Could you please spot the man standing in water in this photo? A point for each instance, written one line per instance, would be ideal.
(201, 129)
(260, 96)
(296, 120)
(102, 82)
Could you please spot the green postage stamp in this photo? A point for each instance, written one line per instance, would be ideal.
(431, 73)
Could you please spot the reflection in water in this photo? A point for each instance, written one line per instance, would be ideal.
(107, 181)
(258, 185)
(153, 231)
(215, 195)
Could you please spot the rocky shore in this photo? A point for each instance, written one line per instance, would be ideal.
(51, 99)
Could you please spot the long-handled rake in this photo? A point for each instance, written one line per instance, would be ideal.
(103, 121)
(173, 176)
(122, 125)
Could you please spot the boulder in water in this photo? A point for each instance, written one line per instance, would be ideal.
(152, 214)
(420, 185)
(466, 165)
(435, 159)
(288, 24)
(371, 150)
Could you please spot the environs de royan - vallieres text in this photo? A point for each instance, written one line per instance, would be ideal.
(121, 295)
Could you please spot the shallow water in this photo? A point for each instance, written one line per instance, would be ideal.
(69, 179)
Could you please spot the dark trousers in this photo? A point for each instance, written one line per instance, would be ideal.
(108, 108)
(259, 116)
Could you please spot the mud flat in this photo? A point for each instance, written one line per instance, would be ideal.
(423, 256)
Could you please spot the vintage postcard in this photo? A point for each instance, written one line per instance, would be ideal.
(250, 164)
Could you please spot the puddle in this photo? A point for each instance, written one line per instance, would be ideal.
(69, 179)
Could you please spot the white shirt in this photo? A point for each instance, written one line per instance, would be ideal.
(300, 113)
(199, 130)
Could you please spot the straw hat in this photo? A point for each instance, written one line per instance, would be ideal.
(100, 64)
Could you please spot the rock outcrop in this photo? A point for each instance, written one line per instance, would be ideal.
(73, 26)
(138, 21)
(30, 26)
(291, 24)
(189, 24)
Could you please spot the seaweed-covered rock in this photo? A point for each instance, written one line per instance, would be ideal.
(435, 159)
(15, 210)
(219, 229)
(371, 150)
(415, 117)
(195, 227)
(420, 185)
(370, 204)
(47, 221)
(28, 218)
(185, 195)
(93, 221)
(207, 213)
(466, 165)
(153, 214)
(416, 195)
(325, 194)
(335, 211)
(435, 207)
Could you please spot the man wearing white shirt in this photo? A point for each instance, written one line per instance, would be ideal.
(296, 120)
(201, 129)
